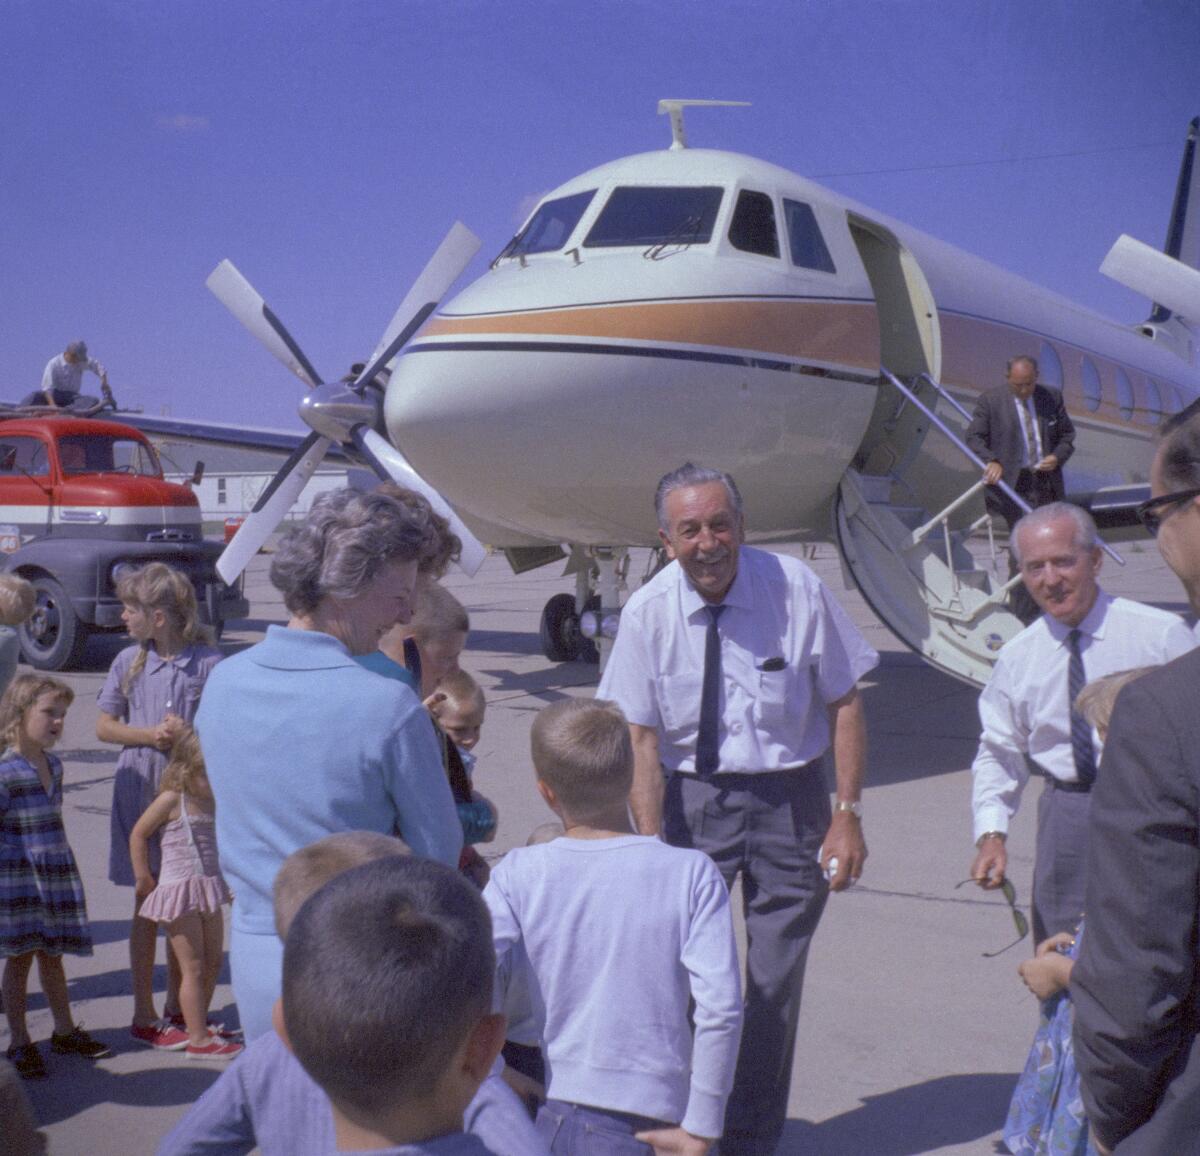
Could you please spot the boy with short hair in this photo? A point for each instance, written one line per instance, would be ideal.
(619, 932)
(461, 709)
(458, 710)
(266, 1098)
(387, 986)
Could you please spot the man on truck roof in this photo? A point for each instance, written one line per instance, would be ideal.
(63, 375)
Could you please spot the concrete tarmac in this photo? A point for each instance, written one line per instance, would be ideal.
(910, 1041)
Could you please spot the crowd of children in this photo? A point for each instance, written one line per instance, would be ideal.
(601, 961)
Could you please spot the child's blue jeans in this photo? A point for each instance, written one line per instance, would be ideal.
(576, 1130)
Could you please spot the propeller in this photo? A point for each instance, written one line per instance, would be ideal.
(341, 413)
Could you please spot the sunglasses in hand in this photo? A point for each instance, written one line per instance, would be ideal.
(1019, 921)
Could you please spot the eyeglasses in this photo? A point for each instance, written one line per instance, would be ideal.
(1148, 513)
(1019, 921)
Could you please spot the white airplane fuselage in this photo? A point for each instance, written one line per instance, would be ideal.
(547, 398)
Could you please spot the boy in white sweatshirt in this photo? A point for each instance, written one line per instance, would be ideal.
(620, 932)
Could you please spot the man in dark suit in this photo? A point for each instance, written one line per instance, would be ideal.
(1024, 435)
(1136, 986)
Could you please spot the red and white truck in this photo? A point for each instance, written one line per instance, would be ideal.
(80, 500)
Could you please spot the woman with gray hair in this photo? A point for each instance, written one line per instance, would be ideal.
(301, 742)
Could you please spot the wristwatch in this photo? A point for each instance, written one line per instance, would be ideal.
(855, 808)
(991, 835)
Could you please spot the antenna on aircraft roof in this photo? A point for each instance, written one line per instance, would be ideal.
(674, 109)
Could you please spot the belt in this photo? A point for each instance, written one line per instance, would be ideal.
(1073, 788)
(716, 776)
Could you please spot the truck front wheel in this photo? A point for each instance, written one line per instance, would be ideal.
(53, 637)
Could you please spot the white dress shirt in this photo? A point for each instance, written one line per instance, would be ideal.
(1024, 708)
(777, 609)
(1025, 409)
(67, 376)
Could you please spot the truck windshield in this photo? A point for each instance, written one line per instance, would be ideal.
(97, 454)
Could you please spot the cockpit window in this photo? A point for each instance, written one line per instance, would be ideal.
(95, 454)
(753, 226)
(656, 216)
(809, 250)
(550, 226)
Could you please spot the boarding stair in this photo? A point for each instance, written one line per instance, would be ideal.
(934, 576)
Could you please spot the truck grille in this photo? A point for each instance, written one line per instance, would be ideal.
(172, 535)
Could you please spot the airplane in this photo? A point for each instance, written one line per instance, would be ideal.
(697, 304)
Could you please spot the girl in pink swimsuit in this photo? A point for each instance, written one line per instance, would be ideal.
(190, 891)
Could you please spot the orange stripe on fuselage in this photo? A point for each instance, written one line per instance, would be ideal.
(842, 332)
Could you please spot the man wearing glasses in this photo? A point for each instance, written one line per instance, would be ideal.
(1136, 986)
(1027, 714)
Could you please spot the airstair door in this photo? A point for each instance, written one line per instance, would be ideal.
(908, 506)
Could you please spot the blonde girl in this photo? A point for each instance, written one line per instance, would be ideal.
(17, 599)
(189, 892)
(148, 699)
(42, 911)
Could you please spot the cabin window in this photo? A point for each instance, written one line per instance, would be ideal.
(1091, 384)
(96, 454)
(1154, 405)
(20, 456)
(550, 226)
(1124, 394)
(809, 250)
(221, 494)
(656, 216)
(753, 226)
(1050, 370)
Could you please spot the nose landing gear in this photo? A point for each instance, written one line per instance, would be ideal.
(562, 640)
(600, 573)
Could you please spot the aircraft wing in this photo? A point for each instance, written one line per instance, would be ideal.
(1114, 509)
(193, 432)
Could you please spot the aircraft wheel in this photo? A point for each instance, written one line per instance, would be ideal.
(53, 637)
(561, 639)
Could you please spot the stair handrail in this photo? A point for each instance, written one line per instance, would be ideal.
(943, 392)
(970, 454)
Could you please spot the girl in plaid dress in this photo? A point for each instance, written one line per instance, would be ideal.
(42, 911)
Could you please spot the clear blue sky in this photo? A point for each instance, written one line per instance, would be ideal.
(326, 147)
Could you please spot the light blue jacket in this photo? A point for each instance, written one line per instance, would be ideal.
(301, 742)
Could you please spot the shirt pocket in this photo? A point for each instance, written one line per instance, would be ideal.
(193, 687)
(774, 700)
(679, 703)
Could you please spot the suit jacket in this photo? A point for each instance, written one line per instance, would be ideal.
(995, 431)
(1136, 987)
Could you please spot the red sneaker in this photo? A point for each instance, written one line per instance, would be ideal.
(216, 1049)
(214, 1028)
(161, 1036)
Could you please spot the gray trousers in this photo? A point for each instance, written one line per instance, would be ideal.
(768, 828)
(1060, 866)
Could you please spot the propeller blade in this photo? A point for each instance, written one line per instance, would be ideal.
(389, 462)
(272, 506)
(1165, 280)
(444, 267)
(242, 300)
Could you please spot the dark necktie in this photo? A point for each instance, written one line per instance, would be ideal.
(708, 742)
(1081, 730)
(1030, 433)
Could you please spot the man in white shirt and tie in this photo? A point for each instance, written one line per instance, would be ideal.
(1026, 709)
(738, 671)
